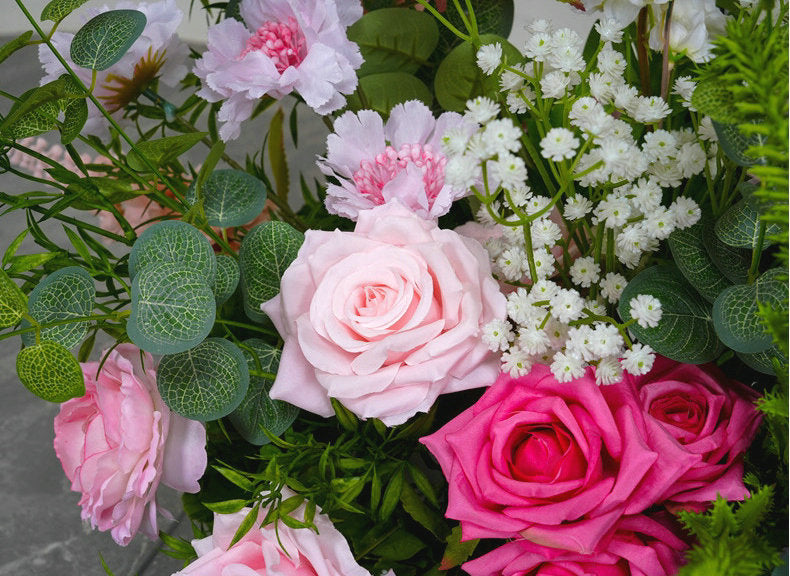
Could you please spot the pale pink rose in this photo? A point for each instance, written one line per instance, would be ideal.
(119, 441)
(283, 46)
(384, 318)
(639, 546)
(158, 52)
(266, 551)
(376, 162)
(705, 418)
(547, 461)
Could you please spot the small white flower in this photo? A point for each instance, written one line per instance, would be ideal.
(659, 145)
(566, 305)
(606, 340)
(494, 247)
(649, 110)
(567, 367)
(610, 29)
(603, 86)
(455, 140)
(539, 25)
(536, 204)
(488, 57)
(497, 335)
(639, 360)
(533, 340)
(482, 109)
(660, 223)
(544, 263)
(516, 362)
(501, 135)
(509, 170)
(611, 62)
(578, 342)
(613, 210)
(519, 306)
(558, 333)
(543, 290)
(510, 79)
(706, 130)
(584, 271)
(608, 371)
(461, 172)
(624, 96)
(596, 307)
(691, 159)
(647, 194)
(684, 87)
(520, 195)
(567, 59)
(558, 144)
(553, 84)
(545, 233)
(646, 310)
(687, 212)
(566, 38)
(538, 46)
(515, 102)
(511, 263)
(576, 207)
(612, 286)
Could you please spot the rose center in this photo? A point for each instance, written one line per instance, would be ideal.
(684, 412)
(546, 454)
(373, 176)
(283, 43)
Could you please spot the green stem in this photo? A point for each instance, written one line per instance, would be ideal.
(245, 326)
(757, 252)
(38, 327)
(444, 21)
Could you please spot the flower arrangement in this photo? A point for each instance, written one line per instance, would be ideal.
(533, 322)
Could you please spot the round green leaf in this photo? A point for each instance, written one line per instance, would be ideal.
(258, 411)
(394, 40)
(763, 361)
(13, 303)
(65, 294)
(173, 308)
(459, 79)
(204, 383)
(733, 262)
(739, 226)
(50, 372)
(735, 143)
(230, 198)
(735, 312)
(381, 92)
(104, 39)
(265, 253)
(692, 258)
(227, 278)
(177, 242)
(686, 332)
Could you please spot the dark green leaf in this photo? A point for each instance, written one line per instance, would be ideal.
(104, 39)
(739, 226)
(735, 143)
(692, 258)
(226, 506)
(161, 151)
(57, 10)
(76, 114)
(381, 92)
(236, 478)
(346, 418)
(391, 495)
(246, 524)
(13, 45)
(13, 302)
(457, 552)
(227, 278)
(230, 198)
(400, 545)
(714, 98)
(176, 242)
(422, 513)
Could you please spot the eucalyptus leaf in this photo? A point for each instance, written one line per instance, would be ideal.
(50, 372)
(258, 411)
(459, 78)
(230, 198)
(265, 253)
(105, 38)
(686, 332)
(162, 150)
(57, 10)
(394, 40)
(739, 226)
(37, 110)
(173, 308)
(13, 302)
(66, 294)
(735, 143)
(735, 311)
(692, 258)
(763, 361)
(227, 278)
(381, 92)
(76, 114)
(17, 43)
(204, 383)
(176, 242)
(733, 262)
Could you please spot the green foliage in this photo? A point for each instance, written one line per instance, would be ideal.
(16, 44)
(204, 383)
(731, 538)
(65, 295)
(175, 242)
(277, 157)
(691, 257)
(394, 40)
(13, 302)
(736, 145)
(50, 372)
(161, 151)
(382, 92)
(57, 10)
(227, 278)
(37, 110)
(457, 552)
(105, 38)
(265, 253)
(258, 413)
(740, 225)
(713, 98)
(686, 332)
(230, 198)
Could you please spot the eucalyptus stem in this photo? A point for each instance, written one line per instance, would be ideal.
(443, 20)
(245, 326)
(38, 327)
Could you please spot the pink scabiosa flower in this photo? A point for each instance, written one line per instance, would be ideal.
(157, 53)
(376, 162)
(281, 47)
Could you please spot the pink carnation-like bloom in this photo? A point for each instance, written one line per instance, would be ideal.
(705, 418)
(384, 318)
(119, 441)
(547, 461)
(264, 551)
(639, 546)
(282, 46)
(403, 159)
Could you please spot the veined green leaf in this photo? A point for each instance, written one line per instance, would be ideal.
(382, 92)
(230, 197)
(50, 372)
(57, 10)
(104, 39)
(13, 302)
(162, 150)
(13, 45)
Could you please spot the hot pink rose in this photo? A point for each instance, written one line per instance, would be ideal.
(119, 441)
(639, 546)
(546, 461)
(265, 551)
(707, 419)
(384, 318)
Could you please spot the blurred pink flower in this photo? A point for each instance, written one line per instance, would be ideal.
(282, 46)
(376, 162)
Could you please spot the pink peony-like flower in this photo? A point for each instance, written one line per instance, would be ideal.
(266, 551)
(547, 461)
(119, 441)
(403, 159)
(157, 53)
(384, 318)
(639, 546)
(282, 46)
(705, 418)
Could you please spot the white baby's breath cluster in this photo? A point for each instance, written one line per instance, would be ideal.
(616, 167)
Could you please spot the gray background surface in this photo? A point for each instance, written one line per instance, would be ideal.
(41, 533)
